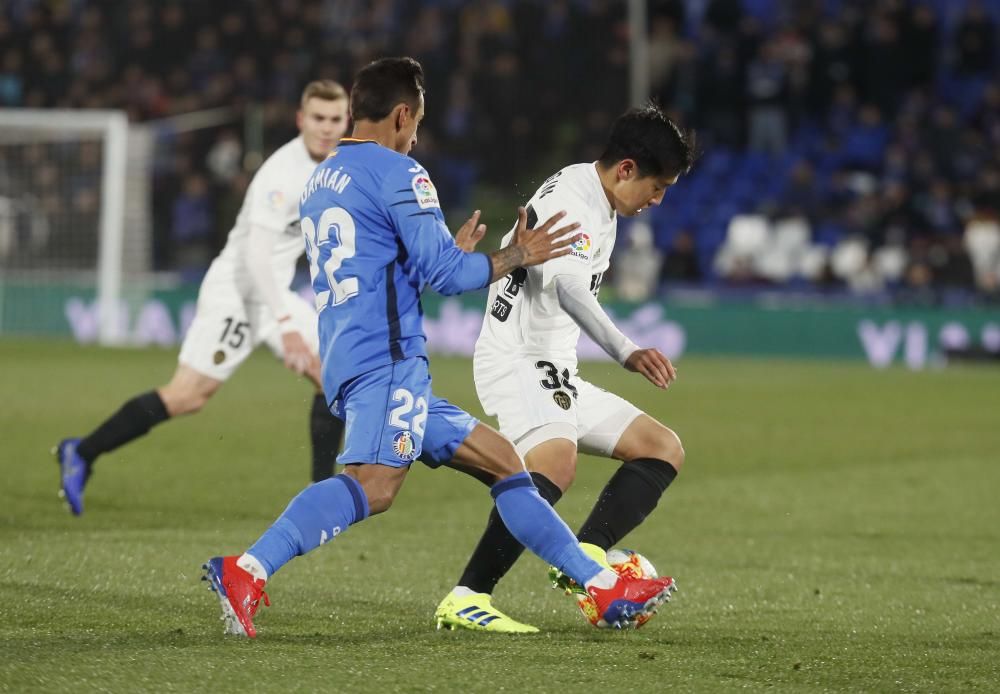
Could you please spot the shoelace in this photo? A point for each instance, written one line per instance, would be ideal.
(252, 605)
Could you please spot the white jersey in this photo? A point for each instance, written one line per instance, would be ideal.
(523, 315)
(272, 203)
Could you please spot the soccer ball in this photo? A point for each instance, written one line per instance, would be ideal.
(624, 562)
(628, 562)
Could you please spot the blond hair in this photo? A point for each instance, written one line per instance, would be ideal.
(328, 90)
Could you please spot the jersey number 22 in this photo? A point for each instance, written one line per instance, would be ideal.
(334, 219)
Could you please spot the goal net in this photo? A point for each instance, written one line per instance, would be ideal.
(75, 222)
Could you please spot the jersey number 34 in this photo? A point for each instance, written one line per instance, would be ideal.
(337, 222)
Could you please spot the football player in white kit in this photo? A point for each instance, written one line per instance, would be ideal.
(244, 301)
(525, 362)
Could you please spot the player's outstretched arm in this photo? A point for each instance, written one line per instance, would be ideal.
(653, 365)
(533, 246)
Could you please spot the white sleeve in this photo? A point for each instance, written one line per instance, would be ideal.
(260, 247)
(273, 200)
(273, 205)
(582, 306)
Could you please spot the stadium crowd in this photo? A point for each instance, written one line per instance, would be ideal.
(847, 143)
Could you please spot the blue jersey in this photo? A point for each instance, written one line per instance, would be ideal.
(375, 236)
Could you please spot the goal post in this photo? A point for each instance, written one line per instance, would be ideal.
(37, 192)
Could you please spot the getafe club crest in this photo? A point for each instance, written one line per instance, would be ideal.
(402, 446)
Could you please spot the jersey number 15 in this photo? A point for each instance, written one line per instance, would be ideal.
(338, 221)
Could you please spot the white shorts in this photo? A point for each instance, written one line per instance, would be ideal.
(228, 326)
(536, 401)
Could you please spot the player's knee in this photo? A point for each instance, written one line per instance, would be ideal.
(664, 444)
(561, 470)
(380, 484)
(672, 448)
(379, 501)
(181, 401)
(196, 402)
(562, 476)
(554, 458)
(380, 495)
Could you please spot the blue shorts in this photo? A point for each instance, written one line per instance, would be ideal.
(393, 418)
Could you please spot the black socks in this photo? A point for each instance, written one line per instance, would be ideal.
(498, 549)
(140, 414)
(630, 495)
(326, 432)
(132, 420)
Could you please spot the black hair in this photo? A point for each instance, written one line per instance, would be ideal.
(647, 136)
(382, 85)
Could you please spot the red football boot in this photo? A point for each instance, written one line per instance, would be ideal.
(630, 601)
(239, 593)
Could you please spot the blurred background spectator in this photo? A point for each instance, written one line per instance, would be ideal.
(850, 146)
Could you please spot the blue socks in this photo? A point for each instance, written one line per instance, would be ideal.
(325, 509)
(318, 514)
(532, 521)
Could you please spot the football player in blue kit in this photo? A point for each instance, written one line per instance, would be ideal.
(375, 237)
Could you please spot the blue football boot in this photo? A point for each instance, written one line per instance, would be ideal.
(73, 474)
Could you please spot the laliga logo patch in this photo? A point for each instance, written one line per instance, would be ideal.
(581, 247)
(276, 200)
(425, 192)
(402, 446)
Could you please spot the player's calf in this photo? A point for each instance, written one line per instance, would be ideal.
(489, 452)
(179, 402)
(188, 391)
(653, 455)
(646, 438)
(555, 459)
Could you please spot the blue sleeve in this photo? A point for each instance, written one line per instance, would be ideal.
(412, 204)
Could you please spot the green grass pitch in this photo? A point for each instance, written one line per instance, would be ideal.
(835, 528)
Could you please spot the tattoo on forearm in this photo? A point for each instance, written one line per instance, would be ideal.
(506, 260)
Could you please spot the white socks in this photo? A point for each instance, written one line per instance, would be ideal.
(249, 563)
(604, 580)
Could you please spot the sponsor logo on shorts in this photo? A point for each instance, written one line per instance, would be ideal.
(218, 357)
(581, 247)
(402, 446)
(562, 399)
(425, 192)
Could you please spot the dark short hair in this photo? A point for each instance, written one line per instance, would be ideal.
(382, 85)
(647, 136)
